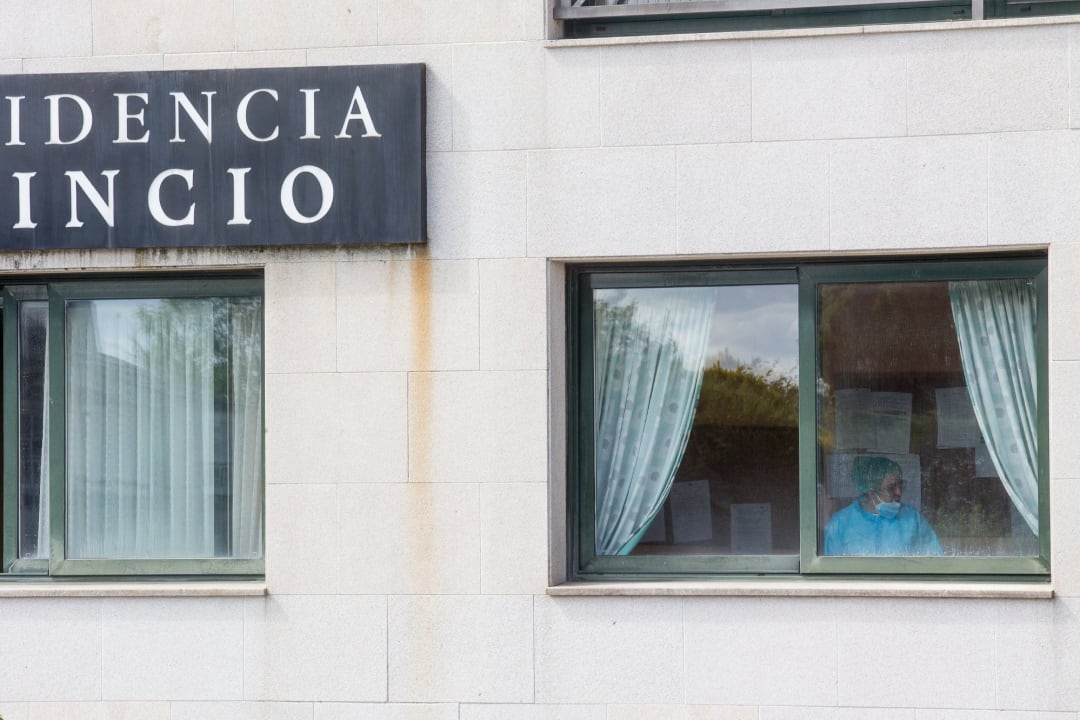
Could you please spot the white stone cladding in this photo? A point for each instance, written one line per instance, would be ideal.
(414, 395)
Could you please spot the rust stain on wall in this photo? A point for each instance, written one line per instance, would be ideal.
(420, 381)
(421, 510)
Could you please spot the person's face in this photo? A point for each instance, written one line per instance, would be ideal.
(890, 489)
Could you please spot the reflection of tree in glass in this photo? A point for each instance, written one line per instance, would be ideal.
(757, 366)
(180, 323)
(735, 407)
(612, 321)
(643, 382)
(210, 349)
(619, 330)
(165, 326)
(745, 397)
(745, 443)
(970, 517)
(734, 393)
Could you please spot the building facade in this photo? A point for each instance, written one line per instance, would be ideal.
(422, 400)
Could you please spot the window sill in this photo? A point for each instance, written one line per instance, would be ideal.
(131, 589)
(809, 588)
(818, 31)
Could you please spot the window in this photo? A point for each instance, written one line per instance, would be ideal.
(599, 18)
(133, 432)
(871, 418)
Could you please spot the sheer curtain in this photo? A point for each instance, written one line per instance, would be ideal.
(33, 418)
(42, 549)
(649, 360)
(246, 406)
(142, 376)
(995, 324)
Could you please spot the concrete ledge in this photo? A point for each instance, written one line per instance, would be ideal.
(131, 589)
(829, 588)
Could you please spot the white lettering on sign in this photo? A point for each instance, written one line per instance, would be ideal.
(239, 193)
(105, 208)
(132, 107)
(124, 116)
(15, 118)
(242, 116)
(306, 192)
(288, 203)
(309, 113)
(202, 124)
(153, 199)
(54, 119)
(362, 114)
(24, 222)
(106, 205)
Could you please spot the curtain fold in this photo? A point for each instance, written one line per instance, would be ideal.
(649, 361)
(140, 440)
(246, 408)
(33, 429)
(42, 549)
(995, 325)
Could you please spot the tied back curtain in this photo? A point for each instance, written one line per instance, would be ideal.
(996, 324)
(141, 384)
(650, 347)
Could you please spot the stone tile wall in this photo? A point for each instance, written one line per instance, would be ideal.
(414, 394)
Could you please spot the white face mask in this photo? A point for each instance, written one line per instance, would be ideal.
(887, 510)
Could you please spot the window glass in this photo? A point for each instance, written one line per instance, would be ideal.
(33, 428)
(928, 419)
(882, 418)
(605, 18)
(163, 457)
(133, 427)
(696, 420)
(599, 18)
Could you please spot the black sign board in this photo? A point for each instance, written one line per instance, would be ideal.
(296, 156)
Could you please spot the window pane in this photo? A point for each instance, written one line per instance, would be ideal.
(696, 412)
(33, 428)
(164, 427)
(927, 419)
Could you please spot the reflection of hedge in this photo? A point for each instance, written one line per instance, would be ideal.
(743, 397)
(970, 518)
(744, 415)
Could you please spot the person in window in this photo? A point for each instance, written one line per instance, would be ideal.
(877, 523)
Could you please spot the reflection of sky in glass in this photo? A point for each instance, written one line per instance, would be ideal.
(666, 314)
(117, 324)
(756, 326)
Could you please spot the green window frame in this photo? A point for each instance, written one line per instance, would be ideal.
(225, 312)
(808, 560)
(584, 19)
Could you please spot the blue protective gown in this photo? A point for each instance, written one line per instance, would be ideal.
(854, 531)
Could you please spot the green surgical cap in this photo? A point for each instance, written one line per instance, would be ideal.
(869, 470)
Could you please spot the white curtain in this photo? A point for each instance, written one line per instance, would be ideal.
(995, 324)
(650, 347)
(141, 382)
(246, 406)
(33, 419)
(42, 550)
